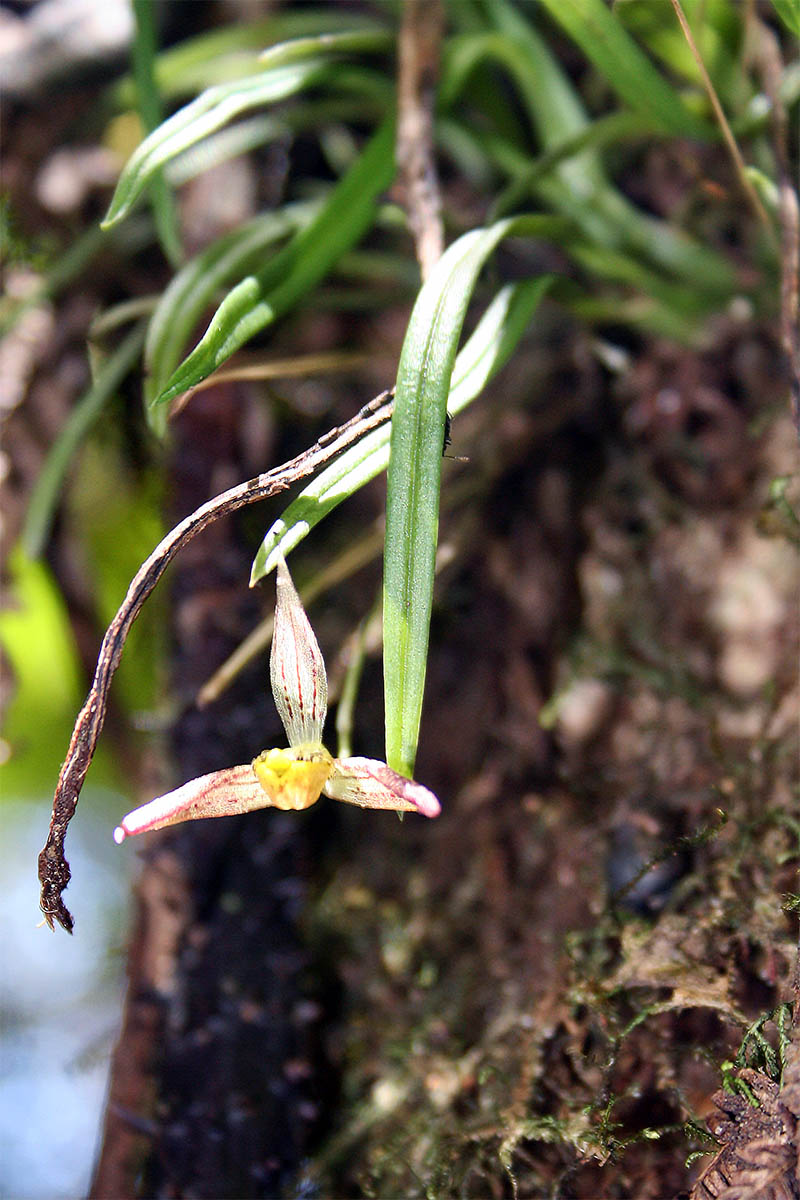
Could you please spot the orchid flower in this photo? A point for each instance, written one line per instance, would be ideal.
(293, 778)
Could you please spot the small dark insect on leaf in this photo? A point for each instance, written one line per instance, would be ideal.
(448, 424)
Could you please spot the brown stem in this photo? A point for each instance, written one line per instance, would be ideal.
(54, 871)
(418, 68)
(727, 133)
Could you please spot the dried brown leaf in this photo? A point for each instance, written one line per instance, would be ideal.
(757, 1159)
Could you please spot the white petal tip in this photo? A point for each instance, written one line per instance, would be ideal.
(119, 835)
(428, 805)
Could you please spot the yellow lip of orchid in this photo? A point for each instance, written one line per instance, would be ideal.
(295, 777)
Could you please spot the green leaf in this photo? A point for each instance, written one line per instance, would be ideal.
(550, 100)
(718, 32)
(289, 67)
(606, 43)
(143, 52)
(346, 474)
(612, 129)
(209, 112)
(488, 349)
(48, 486)
(232, 51)
(789, 13)
(195, 287)
(230, 142)
(612, 224)
(683, 307)
(260, 299)
(353, 41)
(413, 484)
(494, 340)
(576, 186)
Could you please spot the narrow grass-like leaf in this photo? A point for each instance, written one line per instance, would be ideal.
(645, 300)
(195, 63)
(123, 313)
(48, 486)
(413, 483)
(635, 311)
(718, 31)
(260, 299)
(550, 100)
(495, 339)
(612, 129)
(616, 228)
(367, 97)
(224, 145)
(143, 51)
(286, 69)
(354, 41)
(606, 43)
(623, 268)
(576, 186)
(196, 285)
(789, 13)
(232, 52)
(209, 112)
(346, 474)
(484, 354)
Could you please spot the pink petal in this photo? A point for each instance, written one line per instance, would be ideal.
(234, 790)
(371, 784)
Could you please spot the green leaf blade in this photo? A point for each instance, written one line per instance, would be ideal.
(195, 287)
(143, 53)
(605, 42)
(260, 299)
(349, 472)
(43, 502)
(789, 12)
(484, 354)
(213, 109)
(413, 485)
(570, 176)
